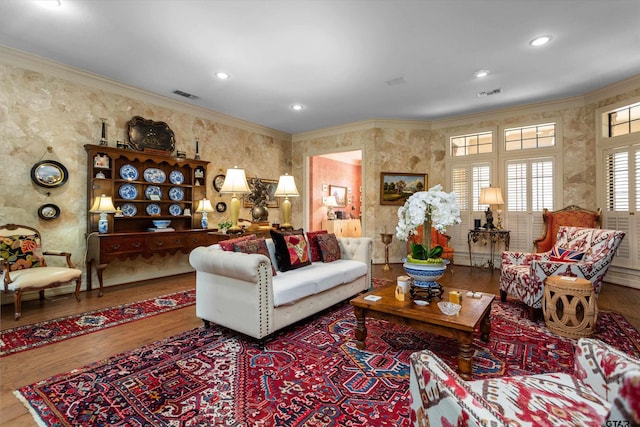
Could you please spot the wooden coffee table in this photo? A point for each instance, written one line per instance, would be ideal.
(474, 312)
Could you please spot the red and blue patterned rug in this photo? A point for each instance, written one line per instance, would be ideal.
(309, 375)
(36, 335)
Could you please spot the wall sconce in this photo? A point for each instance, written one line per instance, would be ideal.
(491, 196)
(330, 202)
(103, 205)
(204, 206)
(286, 188)
(235, 182)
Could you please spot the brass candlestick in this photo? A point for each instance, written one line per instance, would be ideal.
(386, 239)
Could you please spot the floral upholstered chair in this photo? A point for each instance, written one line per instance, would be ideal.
(24, 268)
(604, 389)
(579, 252)
(571, 216)
(437, 238)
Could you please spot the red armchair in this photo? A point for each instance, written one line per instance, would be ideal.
(571, 216)
(437, 238)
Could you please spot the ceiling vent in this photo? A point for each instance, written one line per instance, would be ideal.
(491, 92)
(185, 94)
(396, 81)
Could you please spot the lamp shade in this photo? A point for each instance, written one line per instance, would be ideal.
(235, 182)
(204, 205)
(491, 196)
(330, 201)
(286, 187)
(102, 204)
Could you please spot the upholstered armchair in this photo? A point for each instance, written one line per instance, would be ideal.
(24, 267)
(602, 390)
(571, 216)
(579, 252)
(437, 238)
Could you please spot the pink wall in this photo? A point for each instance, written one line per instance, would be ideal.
(332, 172)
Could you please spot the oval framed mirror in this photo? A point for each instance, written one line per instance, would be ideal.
(49, 174)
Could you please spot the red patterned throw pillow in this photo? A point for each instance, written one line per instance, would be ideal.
(314, 248)
(329, 247)
(291, 249)
(254, 246)
(559, 254)
(227, 245)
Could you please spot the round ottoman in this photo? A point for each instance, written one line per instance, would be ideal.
(569, 306)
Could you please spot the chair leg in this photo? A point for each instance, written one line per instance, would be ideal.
(41, 292)
(503, 295)
(17, 304)
(78, 284)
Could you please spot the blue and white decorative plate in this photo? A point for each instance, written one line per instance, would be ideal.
(152, 190)
(128, 191)
(129, 209)
(153, 209)
(176, 177)
(154, 175)
(129, 172)
(176, 194)
(175, 210)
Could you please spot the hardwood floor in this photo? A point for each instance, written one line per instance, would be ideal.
(30, 366)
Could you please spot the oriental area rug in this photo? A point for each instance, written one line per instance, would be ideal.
(39, 334)
(310, 374)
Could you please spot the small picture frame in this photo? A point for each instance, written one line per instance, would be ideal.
(325, 188)
(340, 193)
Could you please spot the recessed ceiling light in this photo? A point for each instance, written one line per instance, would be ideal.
(51, 4)
(540, 41)
(222, 75)
(481, 73)
(297, 107)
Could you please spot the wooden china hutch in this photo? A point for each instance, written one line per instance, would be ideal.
(144, 186)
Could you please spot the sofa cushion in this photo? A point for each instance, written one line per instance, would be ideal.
(227, 245)
(329, 247)
(314, 248)
(547, 399)
(291, 249)
(254, 246)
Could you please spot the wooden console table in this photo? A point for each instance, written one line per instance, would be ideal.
(491, 237)
(104, 248)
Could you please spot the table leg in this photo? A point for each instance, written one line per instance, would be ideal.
(465, 356)
(361, 328)
(485, 326)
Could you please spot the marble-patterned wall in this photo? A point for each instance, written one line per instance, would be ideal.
(39, 110)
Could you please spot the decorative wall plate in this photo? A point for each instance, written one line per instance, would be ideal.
(221, 206)
(152, 190)
(218, 181)
(153, 209)
(156, 176)
(129, 172)
(49, 212)
(145, 133)
(176, 177)
(175, 210)
(128, 191)
(49, 173)
(176, 194)
(129, 209)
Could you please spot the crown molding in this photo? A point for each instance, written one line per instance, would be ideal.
(624, 86)
(36, 63)
(362, 126)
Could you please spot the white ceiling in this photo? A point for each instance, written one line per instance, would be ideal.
(336, 56)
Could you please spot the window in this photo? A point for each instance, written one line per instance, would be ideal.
(466, 145)
(624, 121)
(535, 136)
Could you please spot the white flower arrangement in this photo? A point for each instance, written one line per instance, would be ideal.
(433, 208)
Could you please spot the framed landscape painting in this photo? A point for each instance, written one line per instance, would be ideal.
(395, 188)
(340, 193)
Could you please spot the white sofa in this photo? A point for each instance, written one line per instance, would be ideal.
(238, 291)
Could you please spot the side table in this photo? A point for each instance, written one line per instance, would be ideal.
(570, 306)
(491, 237)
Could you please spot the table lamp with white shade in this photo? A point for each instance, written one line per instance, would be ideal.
(286, 188)
(330, 202)
(235, 182)
(103, 205)
(204, 207)
(491, 196)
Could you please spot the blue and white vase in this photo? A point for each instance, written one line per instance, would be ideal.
(425, 275)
